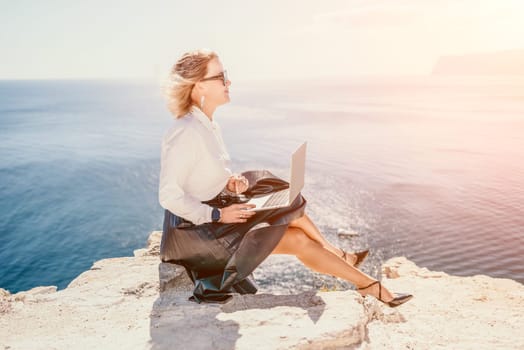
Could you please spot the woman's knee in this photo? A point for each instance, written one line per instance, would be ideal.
(295, 240)
(296, 222)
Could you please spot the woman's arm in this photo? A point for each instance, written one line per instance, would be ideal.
(179, 155)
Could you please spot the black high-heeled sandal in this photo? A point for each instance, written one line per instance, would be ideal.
(399, 299)
(360, 256)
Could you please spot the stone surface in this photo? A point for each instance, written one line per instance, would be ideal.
(140, 303)
(173, 277)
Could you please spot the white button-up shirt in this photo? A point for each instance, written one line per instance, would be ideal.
(194, 166)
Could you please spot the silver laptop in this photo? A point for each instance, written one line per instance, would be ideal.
(285, 197)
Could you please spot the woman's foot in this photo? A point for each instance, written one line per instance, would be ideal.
(382, 294)
(354, 259)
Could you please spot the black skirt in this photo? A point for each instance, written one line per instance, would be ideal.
(219, 258)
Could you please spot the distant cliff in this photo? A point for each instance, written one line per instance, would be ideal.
(510, 62)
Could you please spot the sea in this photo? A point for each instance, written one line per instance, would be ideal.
(426, 167)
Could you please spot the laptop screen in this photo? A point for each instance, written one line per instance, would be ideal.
(298, 170)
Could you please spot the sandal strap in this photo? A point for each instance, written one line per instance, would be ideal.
(372, 283)
(379, 289)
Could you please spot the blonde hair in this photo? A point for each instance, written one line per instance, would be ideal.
(186, 72)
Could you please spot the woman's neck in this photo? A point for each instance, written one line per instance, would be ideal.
(208, 111)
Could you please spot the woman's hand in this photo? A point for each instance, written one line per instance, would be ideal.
(237, 184)
(236, 213)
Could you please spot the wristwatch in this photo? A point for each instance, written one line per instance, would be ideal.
(215, 215)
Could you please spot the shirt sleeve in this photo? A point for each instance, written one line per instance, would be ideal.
(180, 151)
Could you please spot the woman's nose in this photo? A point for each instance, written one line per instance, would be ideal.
(228, 82)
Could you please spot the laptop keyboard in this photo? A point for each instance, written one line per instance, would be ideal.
(277, 198)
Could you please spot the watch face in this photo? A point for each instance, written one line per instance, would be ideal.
(215, 214)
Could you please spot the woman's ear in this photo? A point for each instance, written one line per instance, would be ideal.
(196, 91)
(200, 88)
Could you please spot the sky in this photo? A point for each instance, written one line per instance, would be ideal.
(267, 40)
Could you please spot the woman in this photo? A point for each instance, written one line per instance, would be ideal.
(207, 228)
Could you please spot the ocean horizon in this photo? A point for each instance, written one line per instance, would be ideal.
(431, 168)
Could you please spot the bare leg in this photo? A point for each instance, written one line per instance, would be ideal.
(309, 228)
(313, 255)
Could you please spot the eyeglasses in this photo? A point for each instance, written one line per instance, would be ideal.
(222, 76)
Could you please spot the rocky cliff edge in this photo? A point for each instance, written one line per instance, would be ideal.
(139, 303)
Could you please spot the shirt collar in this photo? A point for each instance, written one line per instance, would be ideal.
(197, 112)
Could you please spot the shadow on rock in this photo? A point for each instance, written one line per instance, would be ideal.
(309, 301)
